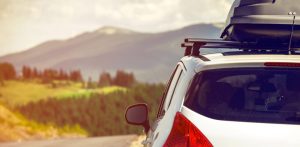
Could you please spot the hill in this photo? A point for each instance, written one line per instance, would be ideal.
(68, 109)
(30, 109)
(15, 127)
(111, 48)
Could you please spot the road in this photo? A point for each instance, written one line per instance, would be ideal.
(109, 141)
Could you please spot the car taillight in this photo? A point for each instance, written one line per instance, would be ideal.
(283, 64)
(185, 134)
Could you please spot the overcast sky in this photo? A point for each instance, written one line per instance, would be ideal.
(26, 23)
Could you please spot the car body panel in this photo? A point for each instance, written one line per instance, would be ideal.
(236, 134)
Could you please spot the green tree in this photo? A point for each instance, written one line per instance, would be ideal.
(35, 73)
(90, 84)
(124, 79)
(8, 71)
(76, 76)
(62, 75)
(1, 79)
(26, 72)
(105, 80)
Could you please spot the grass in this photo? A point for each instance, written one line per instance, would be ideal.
(14, 127)
(15, 93)
(111, 89)
(79, 93)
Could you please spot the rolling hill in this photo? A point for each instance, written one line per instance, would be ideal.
(109, 48)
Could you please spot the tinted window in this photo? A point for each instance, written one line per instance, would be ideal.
(256, 95)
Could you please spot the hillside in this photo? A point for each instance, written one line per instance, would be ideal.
(30, 109)
(14, 127)
(110, 48)
(41, 111)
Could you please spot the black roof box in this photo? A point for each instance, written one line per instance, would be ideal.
(254, 20)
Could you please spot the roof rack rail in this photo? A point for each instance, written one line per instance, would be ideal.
(193, 45)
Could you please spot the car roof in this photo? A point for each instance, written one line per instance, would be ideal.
(221, 60)
(238, 58)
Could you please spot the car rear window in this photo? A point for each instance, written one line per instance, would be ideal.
(268, 95)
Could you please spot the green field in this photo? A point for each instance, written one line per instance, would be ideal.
(15, 93)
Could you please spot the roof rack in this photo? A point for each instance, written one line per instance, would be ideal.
(193, 45)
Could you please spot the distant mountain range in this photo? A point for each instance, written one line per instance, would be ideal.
(150, 56)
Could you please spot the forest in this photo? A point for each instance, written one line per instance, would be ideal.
(63, 98)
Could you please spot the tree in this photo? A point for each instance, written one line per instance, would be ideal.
(62, 75)
(46, 76)
(1, 79)
(105, 80)
(124, 79)
(90, 84)
(76, 76)
(26, 72)
(8, 71)
(35, 73)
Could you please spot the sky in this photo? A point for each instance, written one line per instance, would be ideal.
(26, 23)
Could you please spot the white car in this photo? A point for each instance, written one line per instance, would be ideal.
(245, 98)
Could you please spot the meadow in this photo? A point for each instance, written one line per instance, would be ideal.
(21, 92)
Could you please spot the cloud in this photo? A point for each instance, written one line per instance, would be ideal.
(169, 14)
(134, 14)
(30, 22)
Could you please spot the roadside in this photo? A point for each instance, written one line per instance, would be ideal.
(138, 141)
(107, 141)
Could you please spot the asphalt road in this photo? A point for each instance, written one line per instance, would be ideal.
(109, 141)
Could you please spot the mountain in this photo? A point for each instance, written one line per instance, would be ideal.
(147, 55)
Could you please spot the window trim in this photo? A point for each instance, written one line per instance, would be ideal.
(159, 113)
(180, 65)
(179, 77)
